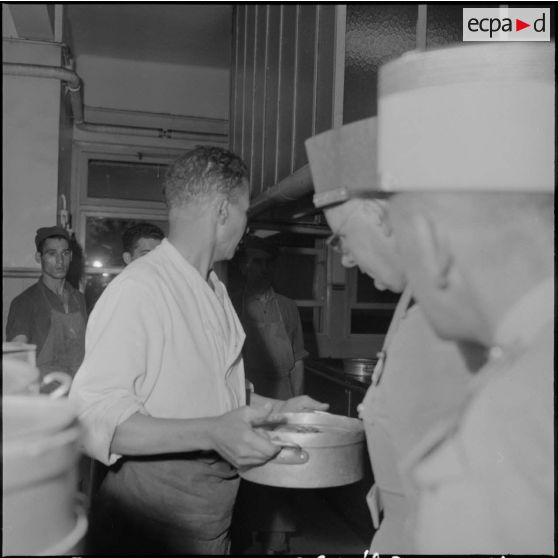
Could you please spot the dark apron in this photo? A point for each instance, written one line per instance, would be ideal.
(165, 504)
(64, 347)
(268, 356)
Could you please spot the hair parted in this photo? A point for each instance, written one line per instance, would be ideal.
(205, 171)
(133, 233)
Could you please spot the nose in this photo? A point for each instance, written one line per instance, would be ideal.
(59, 258)
(347, 260)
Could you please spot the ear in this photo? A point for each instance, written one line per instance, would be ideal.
(222, 210)
(372, 211)
(434, 251)
(127, 257)
(38, 257)
(378, 212)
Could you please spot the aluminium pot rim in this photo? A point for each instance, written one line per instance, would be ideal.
(335, 430)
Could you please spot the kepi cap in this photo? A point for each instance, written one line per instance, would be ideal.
(46, 232)
(468, 118)
(343, 163)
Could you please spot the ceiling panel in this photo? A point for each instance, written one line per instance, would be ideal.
(188, 34)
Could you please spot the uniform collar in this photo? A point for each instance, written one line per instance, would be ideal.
(523, 322)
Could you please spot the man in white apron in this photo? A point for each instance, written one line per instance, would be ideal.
(51, 313)
(471, 154)
(161, 391)
(420, 379)
(273, 361)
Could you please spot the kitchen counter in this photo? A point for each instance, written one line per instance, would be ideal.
(326, 380)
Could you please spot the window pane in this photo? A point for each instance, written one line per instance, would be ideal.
(294, 276)
(367, 292)
(95, 284)
(103, 239)
(310, 317)
(125, 181)
(370, 321)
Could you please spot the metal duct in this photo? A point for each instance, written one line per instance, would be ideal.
(290, 188)
(63, 74)
(73, 83)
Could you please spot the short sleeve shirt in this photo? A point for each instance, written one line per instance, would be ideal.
(266, 311)
(29, 313)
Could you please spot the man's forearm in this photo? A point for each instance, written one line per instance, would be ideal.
(231, 435)
(143, 435)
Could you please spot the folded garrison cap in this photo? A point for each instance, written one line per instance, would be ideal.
(47, 232)
(343, 162)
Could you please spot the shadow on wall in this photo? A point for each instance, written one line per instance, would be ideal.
(75, 273)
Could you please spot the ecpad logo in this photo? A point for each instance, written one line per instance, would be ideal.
(506, 24)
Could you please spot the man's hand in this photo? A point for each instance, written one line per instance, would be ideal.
(234, 438)
(299, 404)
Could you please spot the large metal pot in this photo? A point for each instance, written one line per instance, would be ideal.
(318, 450)
(40, 454)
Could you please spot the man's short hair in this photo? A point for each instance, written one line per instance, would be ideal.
(132, 235)
(205, 171)
(252, 245)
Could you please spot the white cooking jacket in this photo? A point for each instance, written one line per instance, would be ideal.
(160, 341)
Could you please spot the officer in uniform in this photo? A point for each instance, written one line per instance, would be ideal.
(419, 379)
(471, 154)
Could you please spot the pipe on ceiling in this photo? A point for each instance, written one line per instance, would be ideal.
(73, 84)
(290, 188)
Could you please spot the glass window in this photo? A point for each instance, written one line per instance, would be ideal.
(103, 239)
(294, 276)
(95, 284)
(125, 180)
(367, 292)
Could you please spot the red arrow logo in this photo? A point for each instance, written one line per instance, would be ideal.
(519, 25)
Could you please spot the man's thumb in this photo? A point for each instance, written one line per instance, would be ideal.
(260, 413)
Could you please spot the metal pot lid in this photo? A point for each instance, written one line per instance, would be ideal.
(25, 417)
(317, 430)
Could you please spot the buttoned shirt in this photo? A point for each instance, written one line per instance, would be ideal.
(161, 341)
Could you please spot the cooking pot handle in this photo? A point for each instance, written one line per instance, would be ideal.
(65, 381)
(290, 454)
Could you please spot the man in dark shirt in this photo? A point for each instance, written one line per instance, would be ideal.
(274, 347)
(273, 361)
(51, 313)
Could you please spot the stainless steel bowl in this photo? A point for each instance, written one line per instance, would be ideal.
(359, 367)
